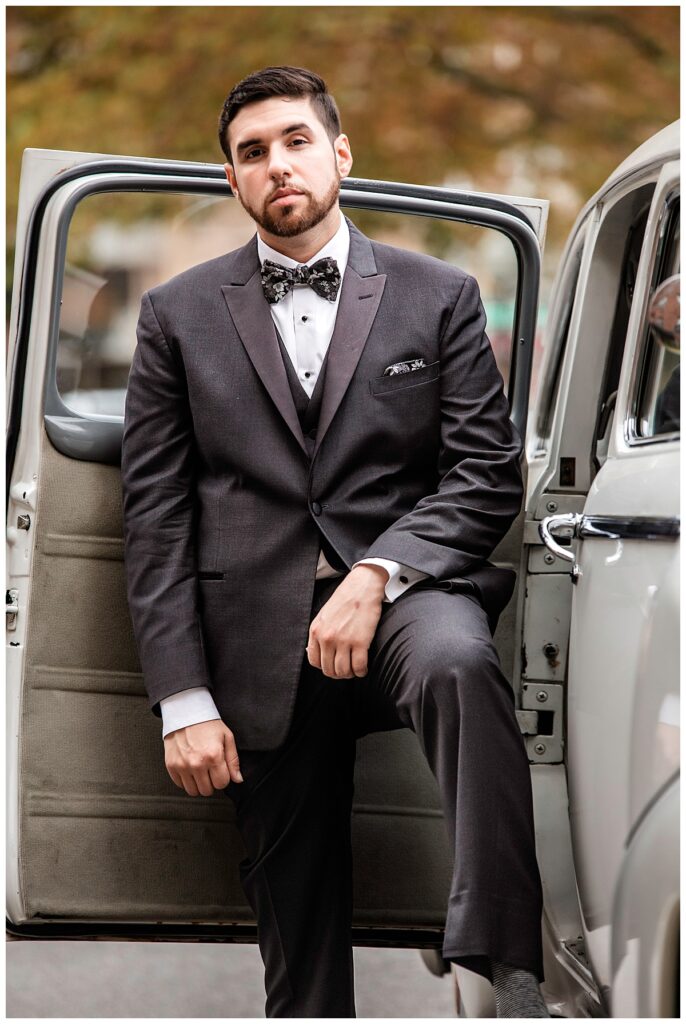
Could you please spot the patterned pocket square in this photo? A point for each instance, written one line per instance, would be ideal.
(407, 366)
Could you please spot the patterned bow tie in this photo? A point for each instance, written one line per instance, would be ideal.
(323, 277)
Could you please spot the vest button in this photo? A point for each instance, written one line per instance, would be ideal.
(316, 508)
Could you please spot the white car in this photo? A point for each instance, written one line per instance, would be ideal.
(101, 843)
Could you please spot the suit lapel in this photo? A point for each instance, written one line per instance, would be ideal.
(361, 293)
(253, 321)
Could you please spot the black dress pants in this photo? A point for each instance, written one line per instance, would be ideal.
(433, 668)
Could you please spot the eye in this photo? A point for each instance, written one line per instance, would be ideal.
(294, 142)
(251, 153)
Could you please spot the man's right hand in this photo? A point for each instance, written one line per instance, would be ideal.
(201, 758)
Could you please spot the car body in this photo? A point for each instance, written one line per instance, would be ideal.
(100, 841)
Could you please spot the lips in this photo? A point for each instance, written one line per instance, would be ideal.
(284, 196)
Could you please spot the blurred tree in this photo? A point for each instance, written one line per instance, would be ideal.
(528, 100)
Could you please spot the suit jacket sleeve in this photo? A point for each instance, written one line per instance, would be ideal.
(158, 485)
(479, 490)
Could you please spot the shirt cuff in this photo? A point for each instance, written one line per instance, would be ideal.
(400, 577)
(187, 707)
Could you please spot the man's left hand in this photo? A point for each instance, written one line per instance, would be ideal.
(340, 635)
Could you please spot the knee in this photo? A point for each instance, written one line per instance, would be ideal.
(459, 666)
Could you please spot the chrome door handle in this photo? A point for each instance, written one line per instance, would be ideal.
(662, 528)
(569, 521)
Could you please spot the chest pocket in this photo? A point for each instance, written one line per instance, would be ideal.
(403, 381)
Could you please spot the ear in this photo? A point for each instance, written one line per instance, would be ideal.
(344, 158)
(231, 178)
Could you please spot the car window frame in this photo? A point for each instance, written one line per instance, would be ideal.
(98, 437)
(560, 320)
(633, 438)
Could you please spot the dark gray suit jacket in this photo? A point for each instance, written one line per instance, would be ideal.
(223, 508)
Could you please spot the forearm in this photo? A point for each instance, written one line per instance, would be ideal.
(158, 487)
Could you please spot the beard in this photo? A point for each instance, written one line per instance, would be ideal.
(283, 222)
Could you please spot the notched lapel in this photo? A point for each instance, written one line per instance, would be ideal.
(360, 298)
(253, 321)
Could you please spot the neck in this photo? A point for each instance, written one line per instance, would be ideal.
(303, 247)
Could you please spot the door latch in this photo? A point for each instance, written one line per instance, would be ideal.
(12, 608)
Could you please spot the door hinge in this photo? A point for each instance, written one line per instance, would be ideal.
(12, 608)
(23, 492)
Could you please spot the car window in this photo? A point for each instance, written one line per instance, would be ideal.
(555, 344)
(617, 342)
(655, 409)
(120, 244)
(590, 315)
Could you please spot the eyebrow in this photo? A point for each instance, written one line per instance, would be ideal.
(287, 131)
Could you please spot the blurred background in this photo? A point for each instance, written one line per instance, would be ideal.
(540, 101)
(529, 101)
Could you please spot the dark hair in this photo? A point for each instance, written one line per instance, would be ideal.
(279, 81)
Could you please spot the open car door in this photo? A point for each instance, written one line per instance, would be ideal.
(101, 842)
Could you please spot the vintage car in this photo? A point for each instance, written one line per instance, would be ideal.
(101, 844)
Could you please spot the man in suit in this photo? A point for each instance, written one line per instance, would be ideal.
(317, 462)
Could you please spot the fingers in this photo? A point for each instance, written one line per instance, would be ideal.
(188, 783)
(359, 661)
(314, 654)
(335, 658)
(231, 760)
(321, 650)
(175, 777)
(202, 782)
(202, 758)
(327, 657)
(341, 663)
(219, 775)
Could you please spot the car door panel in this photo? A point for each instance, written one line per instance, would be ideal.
(623, 667)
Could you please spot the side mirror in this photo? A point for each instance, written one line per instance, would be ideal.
(664, 313)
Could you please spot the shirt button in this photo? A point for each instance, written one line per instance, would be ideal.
(304, 319)
(316, 508)
(403, 579)
(308, 374)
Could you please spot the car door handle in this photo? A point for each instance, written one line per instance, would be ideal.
(605, 527)
(569, 521)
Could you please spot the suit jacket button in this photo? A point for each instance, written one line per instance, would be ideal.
(316, 508)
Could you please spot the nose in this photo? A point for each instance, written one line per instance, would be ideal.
(279, 165)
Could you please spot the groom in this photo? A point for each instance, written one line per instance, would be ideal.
(317, 462)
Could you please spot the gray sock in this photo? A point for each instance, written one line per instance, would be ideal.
(517, 992)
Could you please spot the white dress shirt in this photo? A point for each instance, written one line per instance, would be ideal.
(305, 322)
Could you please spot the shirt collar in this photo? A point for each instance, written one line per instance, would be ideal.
(338, 247)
